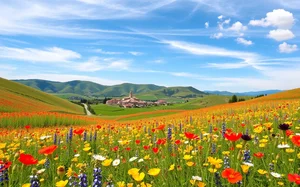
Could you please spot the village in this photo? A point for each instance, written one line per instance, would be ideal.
(133, 102)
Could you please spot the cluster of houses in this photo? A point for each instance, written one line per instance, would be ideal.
(133, 102)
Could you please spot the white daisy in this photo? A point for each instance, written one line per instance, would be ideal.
(133, 159)
(141, 160)
(45, 137)
(77, 155)
(248, 164)
(276, 175)
(99, 157)
(197, 178)
(41, 171)
(283, 146)
(116, 162)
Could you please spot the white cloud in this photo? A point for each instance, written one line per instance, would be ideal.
(206, 25)
(159, 61)
(53, 54)
(281, 34)
(222, 23)
(101, 51)
(244, 41)
(279, 18)
(220, 17)
(96, 64)
(287, 48)
(135, 53)
(7, 67)
(217, 35)
(238, 27)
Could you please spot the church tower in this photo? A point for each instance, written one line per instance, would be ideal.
(130, 94)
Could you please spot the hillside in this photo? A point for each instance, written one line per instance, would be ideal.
(86, 88)
(15, 97)
(254, 93)
(285, 95)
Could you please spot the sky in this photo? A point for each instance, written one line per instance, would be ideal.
(232, 45)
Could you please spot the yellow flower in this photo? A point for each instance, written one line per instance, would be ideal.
(192, 181)
(147, 157)
(190, 163)
(138, 176)
(258, 129)
(129, 184)
(215, 162)
(61, 183)
(172, 167)
(201, 184)
(290, 150)
(245, 168)
(187, 157)
(74, 159)
(262, 145)
(86, 149)
(154, 171)
(133, 171)
(212, 170)
(69, 172)
(42, 162)
(2, 145)
(262, 172)
(26, 185)
(107, 162)
(280, 183)
(226, 153)
(239, 146)
(145, 184)
(121, 184)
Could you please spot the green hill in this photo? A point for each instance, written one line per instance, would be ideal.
(86, 88)
(20, 98)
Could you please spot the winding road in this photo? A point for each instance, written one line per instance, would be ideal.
(87, 110)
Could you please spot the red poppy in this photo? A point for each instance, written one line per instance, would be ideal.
(296, 140)
(231, 175)
(155, 150)
(27, 127)
(161, 127)
(115, 148)
(27, 159)
(78, 131)
(258, 155)
(146, 147)
(98, 127)
(128, 148)
(289, 133)
(48, 150)
(294, 178)
(5, 166)
(161, 141)
(137, 141)
(177, 142)
(190, 135)
(233, 136)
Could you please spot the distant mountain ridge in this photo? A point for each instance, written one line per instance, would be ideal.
(253, 93)
(93, 89)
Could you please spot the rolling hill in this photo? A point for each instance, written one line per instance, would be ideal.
(254, 93)
(15, 97)
(86, 88)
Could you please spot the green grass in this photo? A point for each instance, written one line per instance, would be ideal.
(112, 112)
(19, 94)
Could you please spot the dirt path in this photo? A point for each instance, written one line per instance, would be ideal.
(87, 110)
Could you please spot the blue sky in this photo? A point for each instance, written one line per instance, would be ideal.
(234, 45)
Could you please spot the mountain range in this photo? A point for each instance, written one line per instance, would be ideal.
(87, 88)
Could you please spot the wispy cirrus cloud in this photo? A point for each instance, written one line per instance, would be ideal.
(52, 54)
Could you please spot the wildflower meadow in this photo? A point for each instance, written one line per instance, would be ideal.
(254, 144)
